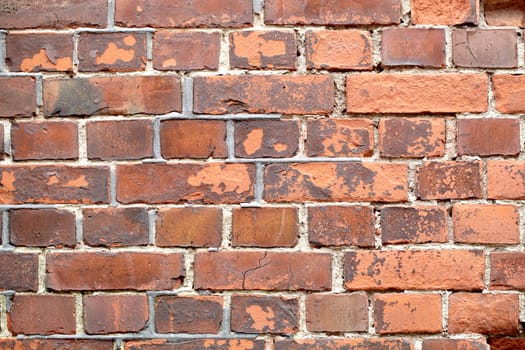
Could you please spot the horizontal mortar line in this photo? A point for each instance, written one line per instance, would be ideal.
(139, 336)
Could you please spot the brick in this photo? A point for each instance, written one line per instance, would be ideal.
(114, 52)
(188, 314)
(269, 49)
(264, 314)
(483, 313)
(115, 227)
(186, 50)
(349, 181)
(416, 93)
(44, 140)
(189, 227)
(264, 94)
(42, 228)
(454, 344)
(414, 269)
(507, 270)
(342, 344)
(490, 48)
(106, 314)
(265, 227)
(341, 226)
(339, 50)
(42, 314)
(488, 137)
(262, 271)
(509, 92)
(337, 312)
(412, 138)
(19, 272)
(49, 184)
(332, 12)
(53, 344)
(505, 179)
(183, 14)
(505, 13)
(193, 139)
(423, 47)
(196, 183)
(118, 140)
(414, 225)
(449, 180)
(486, 224)
(507, 343)
(18, 97)
(58, 14)
(2, 150)
(447, 12)
(340, 138)
(113, 95)
(191, 344)
(39, 52)
(407, 313)
(106, 271)
(266, 138)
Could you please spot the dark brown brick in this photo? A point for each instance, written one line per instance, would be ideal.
(449, 180)
(487, 137)
(337, 312)
(54, 344)
(266, 138)
(344, 343)
(212, 343)
(42, 227)
(507, 270)
(505, 13)
(105, 314)
(18, 97)
(19, 272)
(506, 344)
(445, 12)
(485, 48)
(455, 344)
(2, 150)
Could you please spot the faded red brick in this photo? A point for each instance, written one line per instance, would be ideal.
(455, 344)
(337, 313)
(19, 272)
(18, 97)
(505, 13)
(509, 92)
(54, 344)
(346, 343)
(445, 12)
(505, 179)
(266, 138)
(449, 180)
(42, 228)
(2, 150)
(507, 343)
(486, 48)
(487, 137)
(507, 270)
(190, 344)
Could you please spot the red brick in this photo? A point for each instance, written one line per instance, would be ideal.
(332, 12)
(39, 52)
(341, 226)
(350, 181)
(487, 137)
(505, 13)
(446, 12)
(490, 48)
(340, 138)
(190, 344)
(486, 224)
(117, 140)
(265, 227)
(115, 227)
(266, 138)
(483, 313)
(343, 344)
(507, 343)
(183, 14)
(106, 271)
(2, 151)
(42, 228)
(455, 344)
(284, 94)
(339, 50)
(19, 272)
(414, 269)
(113, 95)
(416, 93)
(505, 179)
(421, 224)
(57, 14)
(186, 50)
(196, 183)
(105, 314)
(42, 314)
(189, 227)
(18, 97)
(449, 180)
(407, 313)
(263, 49)
(424, 47)
(49, 184)
(337, 312)
(44, 140)
(509, 92)
(54, 344)
(115, 52)
(507, 270)
(262, 271)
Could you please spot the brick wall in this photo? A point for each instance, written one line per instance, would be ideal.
(268, 175)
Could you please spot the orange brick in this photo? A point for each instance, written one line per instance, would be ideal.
(449, 180)
(446, 12)
(188, 344)
(342, 344)
(454, 344)
(505, 180)
(509, 91)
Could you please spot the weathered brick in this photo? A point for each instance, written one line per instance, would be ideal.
(505, 179)
(2, 150)
(196, 183)
(414, 269)
(19, 272)
(342, 344)
(263, 49)
(189, 227)
(446, 12)
(340, 138)
(413, 47)
(485, 48)
(507, 270)
(190, 344)
(284, 94)
(506, 344)
(186, 50)
(416, 93)
(112, 95)
(54, 344)
(262, 271)
(505, 13)
(337, 312)
(44, 140)
(487, 137)
(509, 92)
(42, 227)
(341, 226)
(105, 271)
(18, 97)
(376, 182)
(105, 314)
(449, 180)
(455, 344)
(266, 138)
